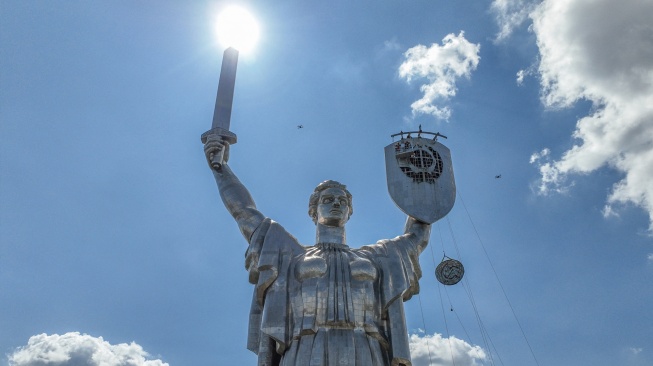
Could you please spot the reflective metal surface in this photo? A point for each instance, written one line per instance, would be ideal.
(449, 272)
(420, 177)
(326, 303)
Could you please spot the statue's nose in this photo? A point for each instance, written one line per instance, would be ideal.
(336, 203)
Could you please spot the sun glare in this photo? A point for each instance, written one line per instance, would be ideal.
(237, 28)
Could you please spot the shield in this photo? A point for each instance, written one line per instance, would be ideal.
(420, 177)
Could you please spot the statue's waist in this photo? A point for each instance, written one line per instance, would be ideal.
(367, 328)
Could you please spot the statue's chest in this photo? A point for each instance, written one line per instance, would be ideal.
(334, 287)
(335, 265)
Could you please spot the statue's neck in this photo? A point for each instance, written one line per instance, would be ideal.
(330, 234)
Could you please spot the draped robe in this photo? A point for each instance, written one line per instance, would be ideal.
(329, 304)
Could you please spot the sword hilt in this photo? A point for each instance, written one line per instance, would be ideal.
(227, 137)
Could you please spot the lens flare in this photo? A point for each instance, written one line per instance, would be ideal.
(237, 28)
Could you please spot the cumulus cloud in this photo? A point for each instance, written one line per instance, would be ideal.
(551, 178)
(510, 14)
(434, 350)
(441, 66)
(600, 51)
(75, 349)
(529, 71)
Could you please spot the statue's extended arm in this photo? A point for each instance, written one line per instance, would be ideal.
(235, 196)
(420, 232)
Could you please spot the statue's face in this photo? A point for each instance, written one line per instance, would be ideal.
(333, 207)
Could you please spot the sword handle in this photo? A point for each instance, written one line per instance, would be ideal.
(227, 137)
(216, 159)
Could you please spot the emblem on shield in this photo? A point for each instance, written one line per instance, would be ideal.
(420, 175)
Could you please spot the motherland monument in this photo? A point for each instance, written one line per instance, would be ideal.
(328, 303)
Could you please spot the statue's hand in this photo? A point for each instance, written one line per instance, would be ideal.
(216, 151)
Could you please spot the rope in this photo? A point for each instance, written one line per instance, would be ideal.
(446, 326)
(468, 290)
(497, 277)
(484, 334)
(428, 348)
(456, 313)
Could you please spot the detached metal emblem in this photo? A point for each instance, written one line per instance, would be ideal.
(449, 272)
(420, 175)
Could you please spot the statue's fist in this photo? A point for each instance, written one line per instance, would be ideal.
(216, 151)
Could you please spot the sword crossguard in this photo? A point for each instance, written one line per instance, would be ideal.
(228, 137)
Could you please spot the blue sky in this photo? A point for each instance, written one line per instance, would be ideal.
(111, 225)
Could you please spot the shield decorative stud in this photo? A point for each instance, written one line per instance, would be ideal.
(420, 176)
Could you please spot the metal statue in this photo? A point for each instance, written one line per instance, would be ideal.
(326, 303)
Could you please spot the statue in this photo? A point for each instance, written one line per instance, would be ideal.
(328, 303)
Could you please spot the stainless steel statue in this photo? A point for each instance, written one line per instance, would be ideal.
(327, 303)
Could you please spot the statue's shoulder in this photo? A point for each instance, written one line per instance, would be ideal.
(269, 246)
(385, 247)
(271, 235)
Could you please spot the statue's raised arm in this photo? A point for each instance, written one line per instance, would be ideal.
(235, 196)
(420, 231)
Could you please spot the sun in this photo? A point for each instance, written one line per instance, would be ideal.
(237, 28)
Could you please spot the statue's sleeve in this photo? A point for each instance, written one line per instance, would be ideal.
(398, 259)
(398, 262)
(267, 260)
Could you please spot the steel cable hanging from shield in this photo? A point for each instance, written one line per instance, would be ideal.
(444, 317)
(484, 334)
(446, 326)
(428, 347)
(497, 278)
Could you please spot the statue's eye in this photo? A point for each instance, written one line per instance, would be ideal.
(343, 202)
(327, 200)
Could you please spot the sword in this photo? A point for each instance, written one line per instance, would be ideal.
(223, 102)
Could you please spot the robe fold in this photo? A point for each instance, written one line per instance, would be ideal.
(329, 304)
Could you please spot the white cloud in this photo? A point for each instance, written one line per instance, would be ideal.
(529, 71)
(551, 179)
(391, 45)
(510, 14)
(73, 349)
(601, 51)
(434, 350)
(540, 155)
(520, 77)
(441, 66)
(650, 257)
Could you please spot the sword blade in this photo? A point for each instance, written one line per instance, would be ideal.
(225, 97)
(223, 103)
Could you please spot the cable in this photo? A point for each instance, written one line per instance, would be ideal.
(428, 348)
(456, 313)
(497, 277)
(446, 326)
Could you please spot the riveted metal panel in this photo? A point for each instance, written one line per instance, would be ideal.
(420, 178)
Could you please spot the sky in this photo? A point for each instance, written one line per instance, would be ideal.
(115, 248)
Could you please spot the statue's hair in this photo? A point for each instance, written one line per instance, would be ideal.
(315, 197)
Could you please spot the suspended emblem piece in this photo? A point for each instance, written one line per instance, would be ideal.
(449, 271)
(420, 175)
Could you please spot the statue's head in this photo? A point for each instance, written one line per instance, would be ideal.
(330, 204)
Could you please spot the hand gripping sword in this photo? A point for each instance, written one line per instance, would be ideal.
(223, 103)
